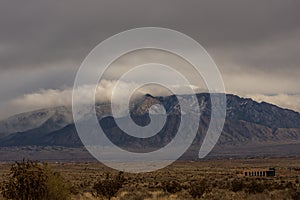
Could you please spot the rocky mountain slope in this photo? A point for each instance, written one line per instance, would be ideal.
(248, 123)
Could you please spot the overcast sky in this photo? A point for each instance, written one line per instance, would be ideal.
(255, 44)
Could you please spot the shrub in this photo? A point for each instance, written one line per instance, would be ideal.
(58, 189)
(31, 180)
(109, 186)
(137, 195)
(236, 185)
(295, 194)
(197, 189)
(171, 186)
(255, 187)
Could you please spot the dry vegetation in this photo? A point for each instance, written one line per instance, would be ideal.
(217, 179)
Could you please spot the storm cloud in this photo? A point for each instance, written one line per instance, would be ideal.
(255, 43)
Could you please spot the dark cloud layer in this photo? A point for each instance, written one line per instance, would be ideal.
(42, 43)
(34, 33)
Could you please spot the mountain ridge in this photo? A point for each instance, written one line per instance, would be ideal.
(247, 123)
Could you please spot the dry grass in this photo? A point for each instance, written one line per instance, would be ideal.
(218, 174)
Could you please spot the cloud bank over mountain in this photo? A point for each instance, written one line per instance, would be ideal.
(255, 44)
(63, 97)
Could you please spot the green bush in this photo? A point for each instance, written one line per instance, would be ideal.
(109, 187)
(31, 180)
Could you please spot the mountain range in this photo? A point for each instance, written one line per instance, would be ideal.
(251, 128)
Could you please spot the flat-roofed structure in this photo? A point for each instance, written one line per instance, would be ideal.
(260, 172)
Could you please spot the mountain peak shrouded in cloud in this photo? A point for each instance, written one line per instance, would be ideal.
(255, 44)
(63, 97)
(249, 125)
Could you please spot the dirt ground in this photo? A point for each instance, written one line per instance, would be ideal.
(219, 176)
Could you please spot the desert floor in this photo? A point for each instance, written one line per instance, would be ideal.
(213, 179)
